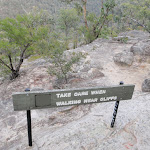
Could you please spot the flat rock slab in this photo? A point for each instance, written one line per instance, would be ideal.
(80, 128)
(124, 58)
(141, 48)
(84, 127)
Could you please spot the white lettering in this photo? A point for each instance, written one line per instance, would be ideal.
(93, 100)
(81, 93)
(65, 103)
(108, 98)
(98, 92)
(60, 95)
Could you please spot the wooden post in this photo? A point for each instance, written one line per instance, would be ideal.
(115, 110)
(29, 123)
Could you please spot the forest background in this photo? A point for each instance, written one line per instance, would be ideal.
(49, 28)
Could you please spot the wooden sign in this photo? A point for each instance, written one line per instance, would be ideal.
(59, 98)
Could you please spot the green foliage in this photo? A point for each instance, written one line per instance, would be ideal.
(68, 18)
(18, 36)
(79, 9)
(68, 21)
(98, 25)
(29, 34)
(4, 71)
(88, 34)
(135, 14)
(124, 39)
(105, 32)
(62, 60)
(34, 57)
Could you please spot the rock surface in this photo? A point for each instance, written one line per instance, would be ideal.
(124, 58)
(83, 127)
(95, 73)
(146, 85)
(86, 127)
(136, 34)
(141, 48)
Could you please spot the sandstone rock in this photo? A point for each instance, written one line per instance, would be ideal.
(146, 85)
(124, 58)
(141, 48)
(83, 127)
(96, 63)
(37, 89)
(85, 68)
(136, 34)
(95, 73)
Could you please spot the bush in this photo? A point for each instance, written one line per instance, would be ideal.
(62, 64)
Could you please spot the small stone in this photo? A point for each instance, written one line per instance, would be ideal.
(95, 73)
(141, 48)
(31, 81)
(85, 68)
(146, 85)
(124, 58)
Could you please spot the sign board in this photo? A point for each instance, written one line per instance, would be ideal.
(59, 98)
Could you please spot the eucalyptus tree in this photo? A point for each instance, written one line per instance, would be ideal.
(68, 20)
(93, 24)
(136, 13)
(82, 9)
(19, 36)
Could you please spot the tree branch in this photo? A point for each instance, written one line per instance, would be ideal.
(142, 25)
(21, 57)
(138, 23)
(2, 62)
(10, 60)
(104, 20)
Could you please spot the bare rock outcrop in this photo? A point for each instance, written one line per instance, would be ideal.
(141, 48)
(140, 35)
(95, 73)
(124, 58)
(84, 127)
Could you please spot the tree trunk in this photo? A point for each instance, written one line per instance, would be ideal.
(84, 12)
(112, 27)
(14, 74)
(102, 4)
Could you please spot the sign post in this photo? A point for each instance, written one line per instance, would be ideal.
(115, 110)
(29, 123)
(58, 98)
